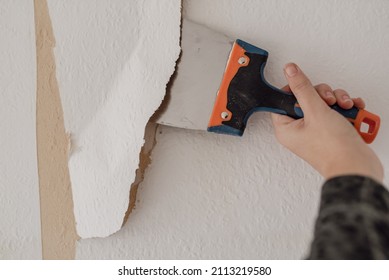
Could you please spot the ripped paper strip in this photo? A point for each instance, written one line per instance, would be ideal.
(114, 59)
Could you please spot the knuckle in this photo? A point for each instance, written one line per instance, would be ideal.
(323, 89)
(302, 85)
(323, 86)
(340, 91)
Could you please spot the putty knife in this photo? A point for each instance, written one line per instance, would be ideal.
(240, 91)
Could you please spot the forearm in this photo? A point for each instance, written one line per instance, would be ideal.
(353, 221)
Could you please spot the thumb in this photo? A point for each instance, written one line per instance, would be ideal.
(302, 88)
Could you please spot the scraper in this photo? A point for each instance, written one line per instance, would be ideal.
(210, 94)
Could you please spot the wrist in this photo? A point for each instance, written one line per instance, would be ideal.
(363, 163)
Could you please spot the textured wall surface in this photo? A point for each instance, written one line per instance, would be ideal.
(204, 195)
(19, 193)
(114, 59)
(212, 196)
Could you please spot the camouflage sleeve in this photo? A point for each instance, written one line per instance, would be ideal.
(353, 220)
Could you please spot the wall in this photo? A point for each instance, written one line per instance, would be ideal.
(203, 195)
(211, 196)
(97, 72)
(20, 232)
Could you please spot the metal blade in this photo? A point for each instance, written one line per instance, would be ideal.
(189, 101)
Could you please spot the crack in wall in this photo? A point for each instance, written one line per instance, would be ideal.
(150, 140)
(144, 162)
(165, 102)
(148, 146)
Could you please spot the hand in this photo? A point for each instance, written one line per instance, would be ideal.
(324, 138)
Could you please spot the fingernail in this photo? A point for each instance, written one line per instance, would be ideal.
(329, 94)
(290, 69)
(346, 98)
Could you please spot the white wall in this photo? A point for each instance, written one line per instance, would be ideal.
(214, 196)
(20, 229)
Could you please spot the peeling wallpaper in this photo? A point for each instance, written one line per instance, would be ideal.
(203, 196)
(208, 196)
(114, 59)
(20, 229)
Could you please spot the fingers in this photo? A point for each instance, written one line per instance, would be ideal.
(311, 98)
(326, 93)
(343, 99)
(302, 88)
(339, 96)
(359, 103)
(286, 88)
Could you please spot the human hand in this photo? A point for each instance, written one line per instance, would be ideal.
(324, 138)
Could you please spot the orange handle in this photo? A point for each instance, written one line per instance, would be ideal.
(367, 125)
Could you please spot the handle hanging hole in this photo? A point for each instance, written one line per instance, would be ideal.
(367, 126)
(364, 127)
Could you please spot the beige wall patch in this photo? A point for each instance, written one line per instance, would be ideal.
(57, 217)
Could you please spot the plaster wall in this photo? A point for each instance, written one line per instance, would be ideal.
(214, 196)
(20, 229)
